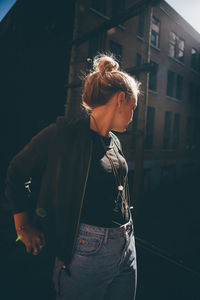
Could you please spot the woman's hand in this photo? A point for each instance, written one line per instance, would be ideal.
(32, 238)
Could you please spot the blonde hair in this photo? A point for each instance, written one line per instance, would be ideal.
(105, 80)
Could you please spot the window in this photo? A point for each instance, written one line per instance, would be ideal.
(199, 62)
(135, 118)
(181, 49)
(117, 6)
(196, 134)
(138, 59)
(138, 63)
(170, 83)
(97, 43)
(172, 45)
(116, 49)
(188, 134)
(148, 144)
(155, 32)
(167, 129)
(147, 181)
(198, 97)
(179, 87)
(196, 94)
(194, 59)
(153, 77)
(130, 184)
(134, 125)
(141, 24)
(168, 175)
(193, 93)
(176, 129)
(99, 6)
(176, 47)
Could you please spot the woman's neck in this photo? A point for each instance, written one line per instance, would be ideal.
(100, 124)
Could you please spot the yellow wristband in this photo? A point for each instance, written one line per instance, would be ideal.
(18, 238)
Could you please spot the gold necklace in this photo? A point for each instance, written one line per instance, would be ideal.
(124, 204)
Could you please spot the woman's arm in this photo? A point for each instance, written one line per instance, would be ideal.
(30, 160)
(21, 219)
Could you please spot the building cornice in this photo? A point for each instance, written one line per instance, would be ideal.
(179, 20)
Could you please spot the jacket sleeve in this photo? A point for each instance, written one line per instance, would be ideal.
(29, 161)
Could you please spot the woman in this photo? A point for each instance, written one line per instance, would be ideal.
(83, 207)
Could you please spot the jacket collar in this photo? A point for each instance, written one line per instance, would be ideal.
(81, 127)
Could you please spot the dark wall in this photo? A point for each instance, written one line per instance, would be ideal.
(34, 57)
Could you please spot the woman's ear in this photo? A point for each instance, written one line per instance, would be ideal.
(120, 98)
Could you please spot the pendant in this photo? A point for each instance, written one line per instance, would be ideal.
(120, 188)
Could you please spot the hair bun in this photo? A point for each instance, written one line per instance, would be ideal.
(104, 63)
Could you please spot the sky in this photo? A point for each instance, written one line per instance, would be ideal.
(5, 5)
(189, 10)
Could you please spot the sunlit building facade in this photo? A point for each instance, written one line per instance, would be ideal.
(172, 142)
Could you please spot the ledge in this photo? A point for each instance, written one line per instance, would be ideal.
(99, 14)
(174, 99)
(140, 38)
(195, 71)
(176, 60)
(105, 17)
(156, 48)
(167, 150)
(153, 92)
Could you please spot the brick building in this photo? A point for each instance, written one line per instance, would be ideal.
(35, 56)
(172, 140)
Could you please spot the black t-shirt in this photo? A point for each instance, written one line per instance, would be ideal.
(101, 189)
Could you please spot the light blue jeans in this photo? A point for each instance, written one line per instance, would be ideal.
(103, 267)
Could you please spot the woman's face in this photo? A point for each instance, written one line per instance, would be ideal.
(124, 114)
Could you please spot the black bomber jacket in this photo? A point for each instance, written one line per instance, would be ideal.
(59, 156)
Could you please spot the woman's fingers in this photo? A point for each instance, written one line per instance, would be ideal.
(36, 248)
(38, 245)
(28, 247)
(42, 239)
(33, 239)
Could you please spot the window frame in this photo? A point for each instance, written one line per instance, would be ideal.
(141, 25)
(115, 10)
(156, 33)
(95, 6)
(150, 125)
(179, 94)
(168, 82)
(153, 74)
(194, 64)
(176, 131)
(175, 42)
(118, 56)
(167, 131)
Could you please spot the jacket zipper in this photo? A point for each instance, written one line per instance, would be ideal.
(83, 196)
